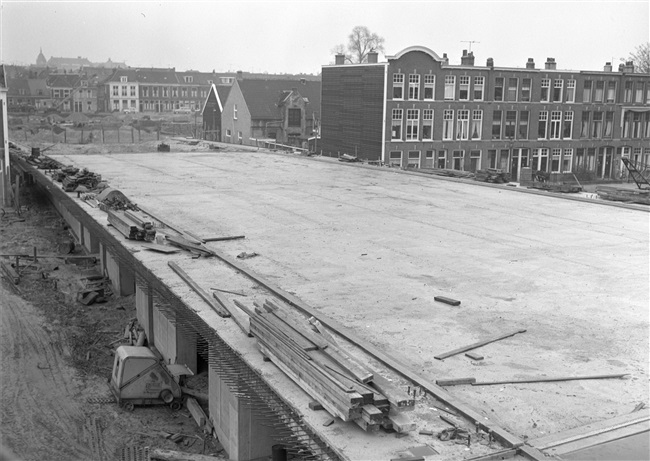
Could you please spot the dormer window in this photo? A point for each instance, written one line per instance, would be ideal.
(123, 79)
(189, 79)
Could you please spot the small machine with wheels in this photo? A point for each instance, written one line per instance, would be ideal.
(139, 377)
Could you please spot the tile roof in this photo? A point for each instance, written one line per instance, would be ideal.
(55, 62)
(63, 80)
(146, 75)
(264, 96)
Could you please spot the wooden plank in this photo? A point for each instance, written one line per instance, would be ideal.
(196, 411)
(200, 291)
(290, 333)
(455, 381)
(398, 365)
(372, 414)
(476, 345)
(240, 318)
(323, 331)
(396, 396)
(301, 327)
(350, 364)
(444, 299)
(159, 248)
(401, 423)
(228, 291)
(10, 272)
(474, 356)
(550, 380)
(219, 239)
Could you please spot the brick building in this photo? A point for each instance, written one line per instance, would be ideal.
(418, 111)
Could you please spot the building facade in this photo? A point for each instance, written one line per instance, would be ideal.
(418, 111)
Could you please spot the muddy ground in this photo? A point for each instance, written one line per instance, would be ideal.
(56, 354)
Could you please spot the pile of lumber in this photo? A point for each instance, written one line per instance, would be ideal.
(557, 187)
(345, 387)
(618, 194)
(492, 175)
(133, 225)
(84, 178)
(446, 172)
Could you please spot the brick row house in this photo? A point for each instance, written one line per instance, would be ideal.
(418, 111)
(283, 111)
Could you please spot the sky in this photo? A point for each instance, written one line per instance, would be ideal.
(298, 36)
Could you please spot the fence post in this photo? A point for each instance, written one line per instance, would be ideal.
(102, 134)
(132, 136)
(82, 135)
(118, 134)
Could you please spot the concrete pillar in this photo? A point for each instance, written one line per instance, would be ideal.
(122, 277)
(164, 335)
(144, 311)
(90, 242)
(238, 430)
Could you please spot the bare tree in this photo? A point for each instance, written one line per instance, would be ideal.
(641, 58)
(360, 42)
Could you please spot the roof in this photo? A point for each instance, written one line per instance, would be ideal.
(218, 94)
(36, 84)
(59, 62)
(264, 96)
(146, 75)
(63, 80)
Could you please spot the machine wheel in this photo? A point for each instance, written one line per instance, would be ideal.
(175, 405)
(167, 396)
(128, 406)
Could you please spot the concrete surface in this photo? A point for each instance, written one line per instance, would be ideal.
(372, 247)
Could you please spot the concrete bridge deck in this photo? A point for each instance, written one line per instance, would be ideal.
(371, 247)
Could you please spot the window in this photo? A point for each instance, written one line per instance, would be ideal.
(477, 124)
(627, 95)
(608, 128)
(523, 124)
(558, 85)
(174, 92)
(496, 124)
(116, 91)
(474, 160)
(450, 86)
(239, 137)
(540, 159)
(546, 86)
(567, 126)
(626, 125)
(463, 90)
(295, 117)
(414, 86)
(132, 88)
(398, 86)
(413, 159)
(448, 124)
(638, 92)
(429, 86)
(228, 135)
(479, 86)
(591, 159)
(511, 124)
(188, 79)
(492, 158)
(556, 121)
(412, 124)
(584, 124)
(513, 83)
(396, 125)
(234, 111)
(462, 124)
(498, 89)
(637, 125)
(567, 160)
(124, 90)
(123, 79)
(647, 94)
(427, 124)
(441, 161)
(600, 89)
(458, 160)
(556, 157)
(542, 126)
(395, 158)
(597, 125)
(611, 92)
(525, 89)
(183, 92)
(586, 91)
(154, 92)
(194, 91)
(647, 129)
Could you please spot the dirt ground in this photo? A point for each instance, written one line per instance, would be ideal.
(56, 354)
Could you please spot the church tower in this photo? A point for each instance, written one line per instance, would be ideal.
(40, 60)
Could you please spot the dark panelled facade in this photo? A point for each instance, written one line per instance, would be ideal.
(352, 111)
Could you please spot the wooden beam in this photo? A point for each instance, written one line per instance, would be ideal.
(219, 239)
(200, 291)
(460, 350)
(549, 380)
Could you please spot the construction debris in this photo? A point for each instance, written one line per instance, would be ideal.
(132, 228)
(455, 381)
(443, 299)
(492, 175)
(476, 345)
(618, 194)
(447, 172)
(474, 356)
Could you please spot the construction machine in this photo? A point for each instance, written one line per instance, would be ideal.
(140, 377)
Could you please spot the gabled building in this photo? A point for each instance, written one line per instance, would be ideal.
(62, 87)
(212, 110)
(417, 111)
(120, 92)
(282, 111)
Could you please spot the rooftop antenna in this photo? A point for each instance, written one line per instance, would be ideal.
(470, 43)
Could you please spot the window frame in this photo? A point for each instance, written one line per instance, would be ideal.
(427, 122)
(567, 125)
(448, 125)
(476, 122)
(479, 87)
(555, 131)
(450, 87)
(499, 83)
(398, 83)
(545, 87)
(394, 119)
(463, 87)
(542, 124)
(558, 89)
(462, 124)
(412, 125)
(414, 87)
(429, 84)
(570, 93)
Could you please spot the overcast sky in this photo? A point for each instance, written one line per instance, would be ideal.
(298, 36)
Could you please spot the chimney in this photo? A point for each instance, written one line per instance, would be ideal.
(339, 60)
(629, 67)
(530, 64)
(608, 67)
(489, 62)
(445, 59)
(467, 59)
(372, 57)
(621, 67)
(240, 75)
(550, 64)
